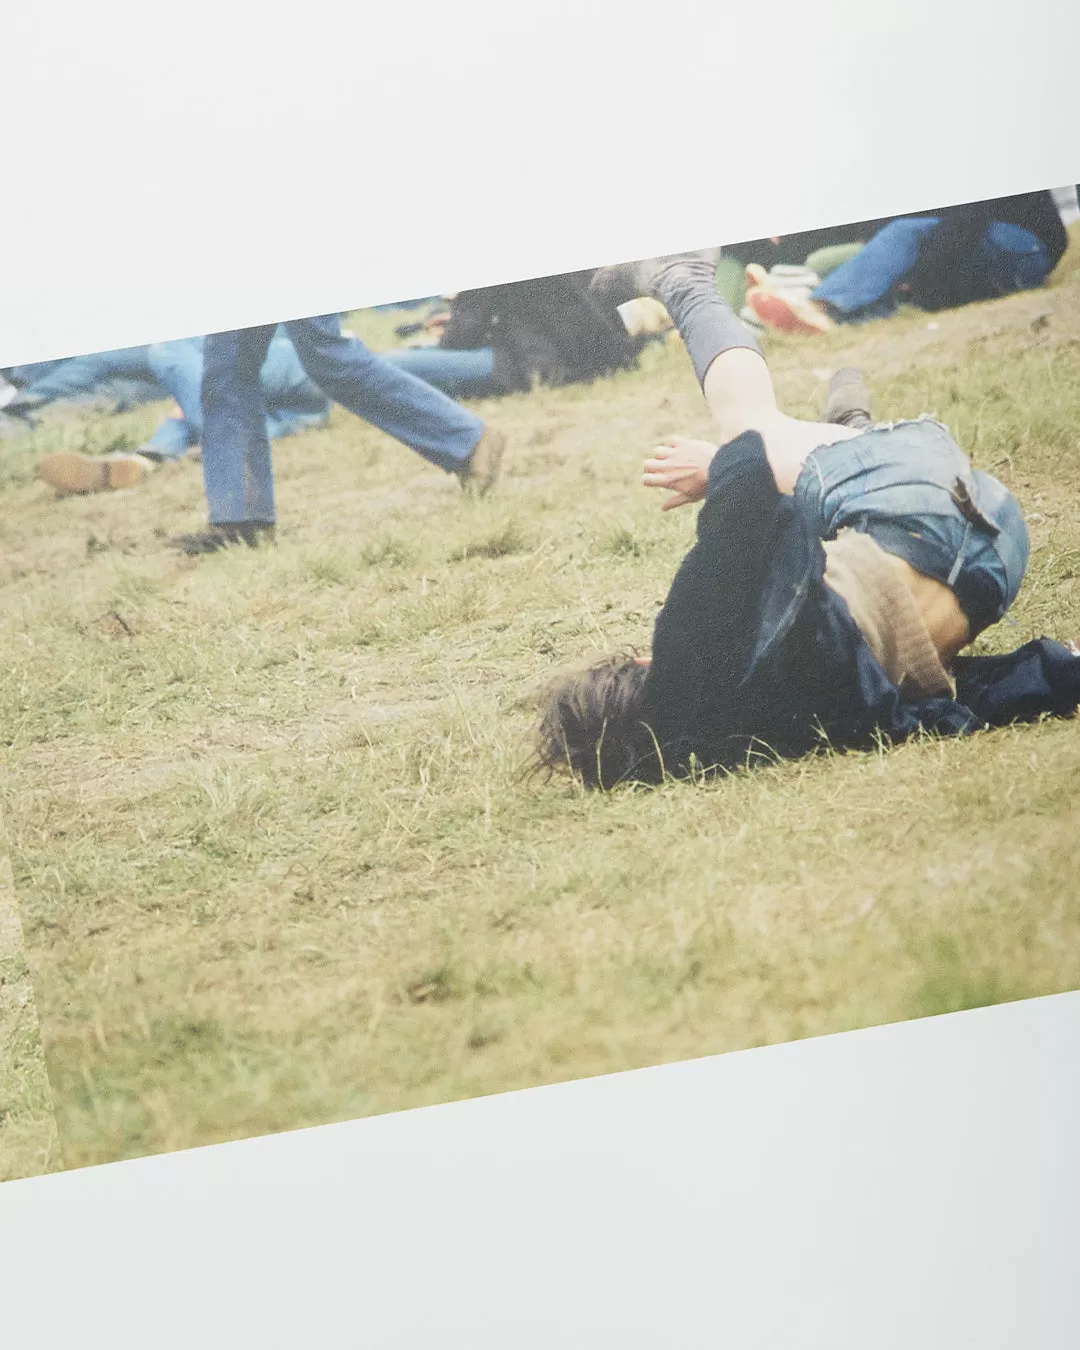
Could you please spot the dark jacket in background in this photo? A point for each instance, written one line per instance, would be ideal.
(949, 272)
(548, 329)
(754, 656)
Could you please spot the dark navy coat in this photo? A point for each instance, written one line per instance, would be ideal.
(754, 655)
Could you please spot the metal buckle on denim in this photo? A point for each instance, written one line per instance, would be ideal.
(965, 504)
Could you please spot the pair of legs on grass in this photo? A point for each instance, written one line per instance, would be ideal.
(292, 401)
(1003, 259)
(237, 468)
(953, 540)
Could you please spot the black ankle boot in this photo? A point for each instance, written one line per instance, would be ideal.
(249, 532)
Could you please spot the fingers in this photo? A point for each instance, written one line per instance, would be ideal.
(662, 454)
(668, 461)
(685, 448)
(679, 465)
(655, 473)
(670, 446)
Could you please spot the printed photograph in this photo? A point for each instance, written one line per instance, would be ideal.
(542, 681)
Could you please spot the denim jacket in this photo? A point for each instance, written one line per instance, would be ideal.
(754, 656)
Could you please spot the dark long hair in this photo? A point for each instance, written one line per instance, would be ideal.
(593, 726)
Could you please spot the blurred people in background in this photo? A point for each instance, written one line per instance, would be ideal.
(237, 468)
(167, 369)
(936, 260)
(503, 339)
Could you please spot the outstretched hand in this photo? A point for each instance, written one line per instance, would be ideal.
(681, 466)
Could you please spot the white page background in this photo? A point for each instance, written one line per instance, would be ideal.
(912, 1185)
(172, 170)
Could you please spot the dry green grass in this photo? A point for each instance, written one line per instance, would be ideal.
(276, 859)
(28, 1138)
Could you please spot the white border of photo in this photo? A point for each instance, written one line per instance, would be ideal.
(175, 171)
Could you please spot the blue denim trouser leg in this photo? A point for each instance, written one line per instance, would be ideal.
(461, 374)
(171, 439)
(406, 408)
(178, 368)
(237, 467)
(286, 384)
(868, 278)
(282, 422)
(21, 376)
(237, 470)
(294, 403)
(911, 488)
(80, 376)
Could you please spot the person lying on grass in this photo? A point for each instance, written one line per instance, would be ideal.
(839, 570)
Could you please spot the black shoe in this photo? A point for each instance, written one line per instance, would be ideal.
(213, 540)
(848, 404)
(628, 281)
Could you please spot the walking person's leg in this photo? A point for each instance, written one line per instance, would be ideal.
(396, 402)
(293, 402)
(286, 384)
(237, 469)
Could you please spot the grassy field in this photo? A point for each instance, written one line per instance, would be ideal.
(28, 1138)
(276, 858)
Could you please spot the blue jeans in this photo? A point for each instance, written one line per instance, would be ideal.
(1012, 258)
(293, 402)
(237, 468)
(911, 488)
(176, 368)
(123, 374)
(461, 374)
(24, 375)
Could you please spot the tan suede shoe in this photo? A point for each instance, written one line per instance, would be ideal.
(71, 473)
(480, 472)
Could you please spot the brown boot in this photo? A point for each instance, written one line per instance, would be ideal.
(71, 474)
(848, 404)
(480, 472)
